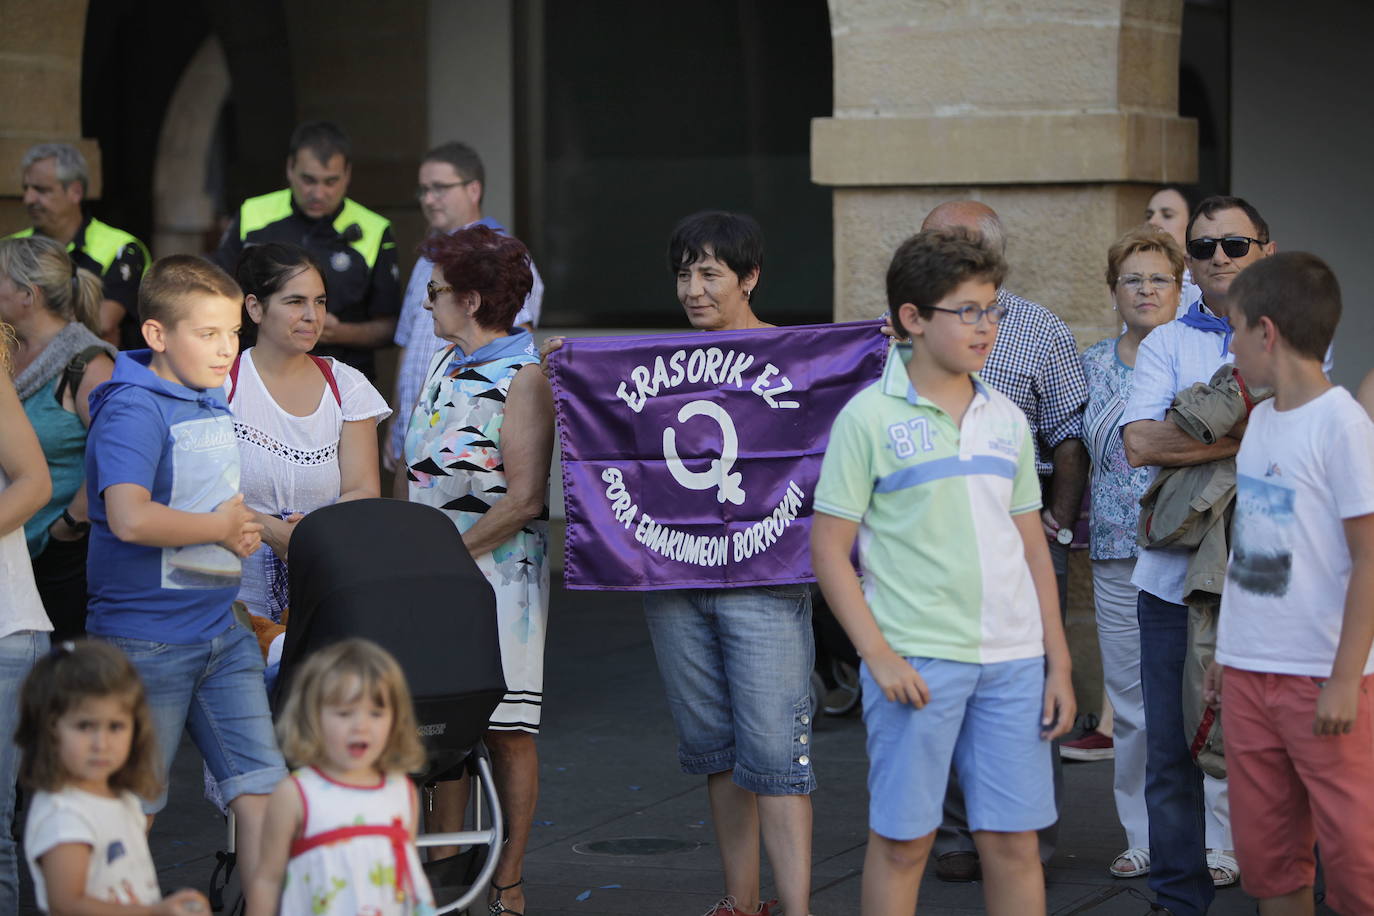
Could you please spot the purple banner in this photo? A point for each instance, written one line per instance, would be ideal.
(690, 460)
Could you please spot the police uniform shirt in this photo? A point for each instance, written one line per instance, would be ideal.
(119, 260)
(354, 247)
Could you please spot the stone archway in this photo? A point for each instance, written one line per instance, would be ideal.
(183, 204)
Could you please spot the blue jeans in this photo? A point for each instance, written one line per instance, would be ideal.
(18, 652)
(214, 690)
(1173, 783)
(736, 665)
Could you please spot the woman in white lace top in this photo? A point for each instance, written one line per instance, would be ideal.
(306, 425)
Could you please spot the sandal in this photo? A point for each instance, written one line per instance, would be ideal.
(1133, 863)
(496, 907)
(1224, 867)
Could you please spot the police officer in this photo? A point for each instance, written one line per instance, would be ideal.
(352, 244)
(56, 179)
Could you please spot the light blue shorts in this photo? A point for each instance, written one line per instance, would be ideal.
(986, 718)
(736, 665)
(215, 691)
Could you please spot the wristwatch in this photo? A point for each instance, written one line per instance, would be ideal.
(1064, 536)
(78, 527)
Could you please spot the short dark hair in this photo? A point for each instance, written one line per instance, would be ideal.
(464, 160)
(1215, 204)
(63, 679)
(264, 269)
(1192, 195)
(1298, 292)
(167, 284)
(736, 239)
(928, 266)
(481, 260)
(323, 138)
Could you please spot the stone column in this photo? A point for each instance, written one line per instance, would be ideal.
(40, 81)
(1059, 114)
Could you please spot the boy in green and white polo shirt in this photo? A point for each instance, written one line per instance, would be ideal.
(957, 620)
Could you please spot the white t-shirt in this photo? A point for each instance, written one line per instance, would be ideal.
(121, 869)
(20, 607)
(289, 463)
(1299, 473)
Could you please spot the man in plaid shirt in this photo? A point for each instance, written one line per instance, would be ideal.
(1034, 362)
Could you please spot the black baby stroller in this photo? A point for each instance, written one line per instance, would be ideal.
(398, 573)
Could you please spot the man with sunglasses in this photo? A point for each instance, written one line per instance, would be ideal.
(1034, 362)
(1225, 235)
(452, 184)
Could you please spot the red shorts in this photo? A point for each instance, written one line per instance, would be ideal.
(1291, 790)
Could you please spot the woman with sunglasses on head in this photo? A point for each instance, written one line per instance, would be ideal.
(59, 359)
(478, 446)
(306, 425)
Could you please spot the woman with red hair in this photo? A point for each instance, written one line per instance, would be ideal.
(478, 446)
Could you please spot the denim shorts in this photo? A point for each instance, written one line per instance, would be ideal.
(736, 665)
(986, 718)
(214, 690)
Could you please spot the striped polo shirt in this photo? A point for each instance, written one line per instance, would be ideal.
(944, 567)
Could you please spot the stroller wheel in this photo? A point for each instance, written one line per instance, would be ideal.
(842, 700)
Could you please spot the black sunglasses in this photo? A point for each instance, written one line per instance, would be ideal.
(1235, 246)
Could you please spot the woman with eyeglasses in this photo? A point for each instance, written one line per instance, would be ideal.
(1169, 209)
(1144, 277)
(478, 446)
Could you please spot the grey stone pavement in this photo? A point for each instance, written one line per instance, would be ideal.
(608, 771)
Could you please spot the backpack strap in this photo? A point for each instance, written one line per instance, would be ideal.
(328, 371)
(234, 376)
(76, 371)
(325, 369)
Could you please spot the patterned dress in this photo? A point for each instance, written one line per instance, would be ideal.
(355, 856)
(453, 461)
(1116, 486)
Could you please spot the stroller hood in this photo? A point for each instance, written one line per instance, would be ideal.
(399, 574)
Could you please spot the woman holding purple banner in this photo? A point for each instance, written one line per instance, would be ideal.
(736, 662)
(478, 446)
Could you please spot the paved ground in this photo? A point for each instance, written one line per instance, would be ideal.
(608, 771)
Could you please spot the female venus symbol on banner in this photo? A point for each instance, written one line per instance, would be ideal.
(720, 474)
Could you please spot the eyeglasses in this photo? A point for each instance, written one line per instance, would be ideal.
(972, 314)
(434, 290)
(1235, 246)
(1134, 282)
(439, 189)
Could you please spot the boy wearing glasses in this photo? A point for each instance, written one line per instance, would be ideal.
(1297, 617)
(1225, 235)
(957, 619)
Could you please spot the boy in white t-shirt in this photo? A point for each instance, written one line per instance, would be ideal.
(1297, 617)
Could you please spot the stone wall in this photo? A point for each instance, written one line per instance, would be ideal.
(40, 81)
(1062, 115)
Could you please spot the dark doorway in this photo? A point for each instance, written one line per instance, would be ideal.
(642, 114)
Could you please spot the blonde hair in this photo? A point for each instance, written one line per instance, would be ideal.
(7, 344)
(60, 681)
(1141, 239)
(341, 673)
(37, 263)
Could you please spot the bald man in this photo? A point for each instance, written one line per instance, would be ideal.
(1034, 362)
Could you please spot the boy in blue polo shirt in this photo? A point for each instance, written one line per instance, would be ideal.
(957, 619)
(168, 528)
